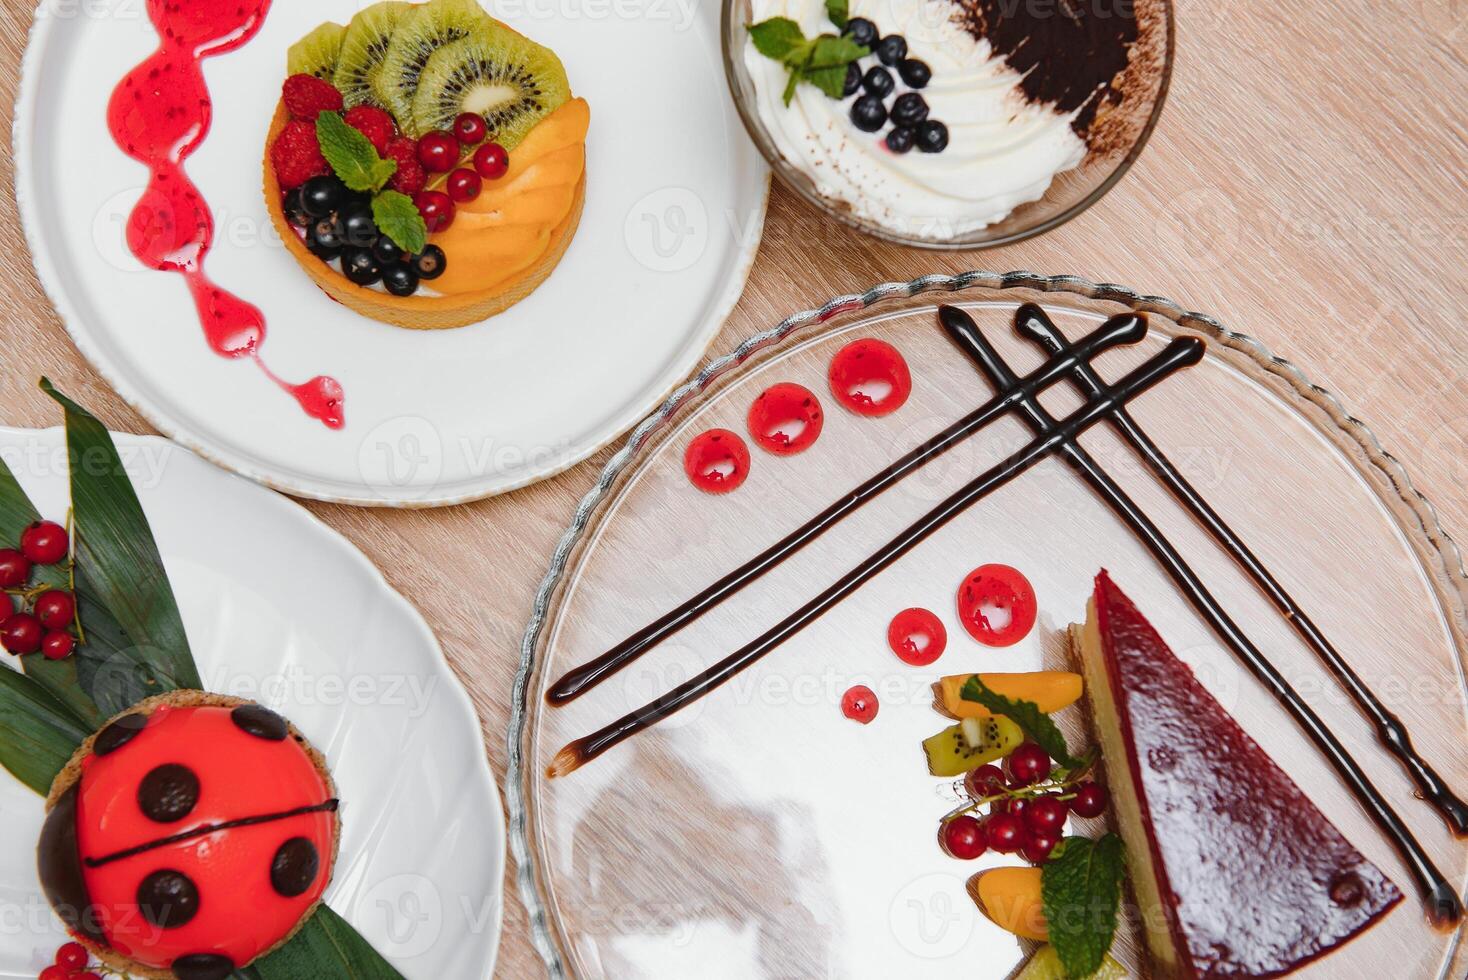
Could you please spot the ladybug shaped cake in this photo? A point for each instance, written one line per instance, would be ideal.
(190, 836)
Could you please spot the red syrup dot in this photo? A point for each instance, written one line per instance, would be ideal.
(870, 377)
(717, 461)
(860, 704)
(917, 637)
(996, 604)
(786, 419)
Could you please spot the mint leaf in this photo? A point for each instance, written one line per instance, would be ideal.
(836, 52)
(838, 11)
(351, 154)
(779, 38)
(1027, 715)
(1081, 889)
(832, 81)
(398, 218)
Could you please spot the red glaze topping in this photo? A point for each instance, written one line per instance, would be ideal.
(860, 704)
(717, 461)
(1260, 881)
(233, 892)
(870, 377)
(996, 604)
(917, 636)
(786, 419)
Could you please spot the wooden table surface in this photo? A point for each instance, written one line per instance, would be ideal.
(1308, 184)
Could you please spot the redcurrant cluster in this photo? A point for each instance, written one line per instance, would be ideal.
(1027, 807)
(71, 964)
(47, 614)
(459, 162)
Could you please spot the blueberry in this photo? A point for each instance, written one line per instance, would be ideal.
(326, 233)
(860, 30)
(429, 263)
(878, 81)
(358, 228)
(901, 139)
(892, 49)
(868, 113)
(322, 195)
(932, 137)
(400, 279)
(915, 73)
(853, 80)
(388, 251)
(909, 109)
(360, 266)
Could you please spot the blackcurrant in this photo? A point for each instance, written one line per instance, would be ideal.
(388, 251)
(360, 266)
(322, 195)
(909, 109)
(868, 114)
(358, 228)
(430, 263)
(901, 139)
(853, 80)
(915, 73)
(294, 213)
(892, 49)
(932, 137)
(326, 234)
(878, 81)
(861, 30)
(400, 279)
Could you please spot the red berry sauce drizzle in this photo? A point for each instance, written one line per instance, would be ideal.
(917, 636)
(870, 377)
(717, 461)
(159, 115)
(996, 604)
(786, 419)
(860, 704)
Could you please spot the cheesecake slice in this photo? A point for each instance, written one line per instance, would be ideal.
(1235, 872)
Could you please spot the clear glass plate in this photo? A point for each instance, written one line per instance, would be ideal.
(761, 834)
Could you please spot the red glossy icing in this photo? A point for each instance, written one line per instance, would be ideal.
(717, 461)
(786, 419)
(996, 604)
(917, 636)
(870, 377)
(240, 914)
(860, 704)
(159, 114)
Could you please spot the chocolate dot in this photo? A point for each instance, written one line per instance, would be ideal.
(1347, 889)
(168, 793)
(119, 733)
(60, 865)
(168, 899)
(203, 966)
(260, 721)
(294, 867)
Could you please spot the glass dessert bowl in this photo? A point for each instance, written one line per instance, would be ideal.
(968, 124)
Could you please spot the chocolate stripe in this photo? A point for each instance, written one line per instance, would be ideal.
(328, 807)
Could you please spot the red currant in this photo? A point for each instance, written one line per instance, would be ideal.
(1027, 764)
(21, 633)
(463, 185)
(1004, 832)
(55, 972)
(860, 704)
(492, 161)
(1038, 845)
(996, 604)
(1046, 815)
(72, 956)
(44, 542)
(438, 151)
(437, 209)
(984, 781)
(55, 609)
(469, 128)
(15, 569)
(1090, 800)
(57, 645)
(963, 838)
(1015, 806)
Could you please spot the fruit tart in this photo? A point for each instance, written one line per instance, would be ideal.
(426, 164)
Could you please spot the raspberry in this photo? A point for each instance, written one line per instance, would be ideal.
(307, 96)
(373, 123)
(296, 156)
(409, 178)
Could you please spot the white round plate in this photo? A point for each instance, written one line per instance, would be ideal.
(281, 609)
(674, 211)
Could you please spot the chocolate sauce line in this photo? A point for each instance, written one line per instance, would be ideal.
(1182, 352)
(328, 807)
(1443, 904)
(583, 678)
(1032, 323)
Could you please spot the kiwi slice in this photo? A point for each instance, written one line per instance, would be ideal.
(508, 79)
(952, 752)
(419, 36)
(363, 48)
(317, 52)
(1045, 965)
